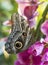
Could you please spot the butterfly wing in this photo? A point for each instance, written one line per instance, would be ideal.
(20, 37)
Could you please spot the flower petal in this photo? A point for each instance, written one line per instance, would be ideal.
(8, 23)
(44, 28)
(36, 49)
(23, 57)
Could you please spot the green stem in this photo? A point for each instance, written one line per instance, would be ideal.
(38, 34)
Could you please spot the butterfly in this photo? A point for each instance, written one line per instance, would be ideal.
(21, 36)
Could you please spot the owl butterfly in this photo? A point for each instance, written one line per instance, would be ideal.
(20, 37)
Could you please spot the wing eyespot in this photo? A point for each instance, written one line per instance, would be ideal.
(18, 45)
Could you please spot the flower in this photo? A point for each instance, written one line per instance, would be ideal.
(17, 63)
(46, 39)
(32, 55)
(32, 23)
(36, 49)
(24, 57)
(44, 30)
(44, 60)
(7, 23)
(29, 57)
(27, 9)
(36, 60)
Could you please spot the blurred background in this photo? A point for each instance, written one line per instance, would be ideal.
(7, 8)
